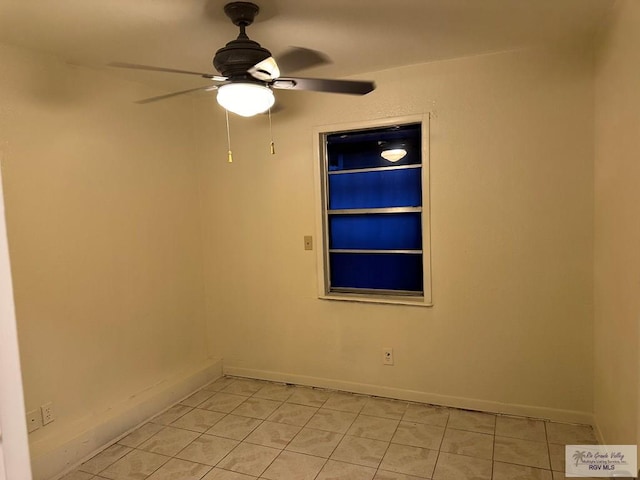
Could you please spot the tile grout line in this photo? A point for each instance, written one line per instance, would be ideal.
(204, 433)
(546, 436)
(395, 430)
(493, 454)
(446, 425)
(332, 451)
(283, 448)
(301, 427)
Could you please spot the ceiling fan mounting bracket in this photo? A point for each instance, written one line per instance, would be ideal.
(239, 55)
(241, 13)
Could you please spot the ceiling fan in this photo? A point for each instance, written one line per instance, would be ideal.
(248, 72)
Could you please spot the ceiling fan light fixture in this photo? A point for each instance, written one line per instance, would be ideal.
(393, 154)
(245, 98)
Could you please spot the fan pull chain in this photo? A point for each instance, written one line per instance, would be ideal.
(272, 145)
(229, 152)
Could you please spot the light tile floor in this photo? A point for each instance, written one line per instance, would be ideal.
(242, 429)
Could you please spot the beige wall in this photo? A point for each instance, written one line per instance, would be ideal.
(617, 227)
(512, 211)
(104, 233)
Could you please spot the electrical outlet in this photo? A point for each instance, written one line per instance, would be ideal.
(34, 421)
(47, 413)
(387, 356)
(308, 242)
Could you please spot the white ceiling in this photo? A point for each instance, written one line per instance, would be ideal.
(359, 36)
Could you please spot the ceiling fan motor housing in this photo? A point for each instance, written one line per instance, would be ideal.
(239, 55)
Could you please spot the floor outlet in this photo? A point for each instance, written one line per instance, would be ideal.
(387, 356)
(34, 421)
(47, 413)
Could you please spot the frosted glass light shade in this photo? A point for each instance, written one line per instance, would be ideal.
(393, 154)
(246, 99)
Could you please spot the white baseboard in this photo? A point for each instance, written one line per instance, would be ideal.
(532, 411)
(54, 456)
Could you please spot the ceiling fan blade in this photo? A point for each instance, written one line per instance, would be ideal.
(182, 92)
(266, 70)
(350, 87)
(298, 58)
(135, 66)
